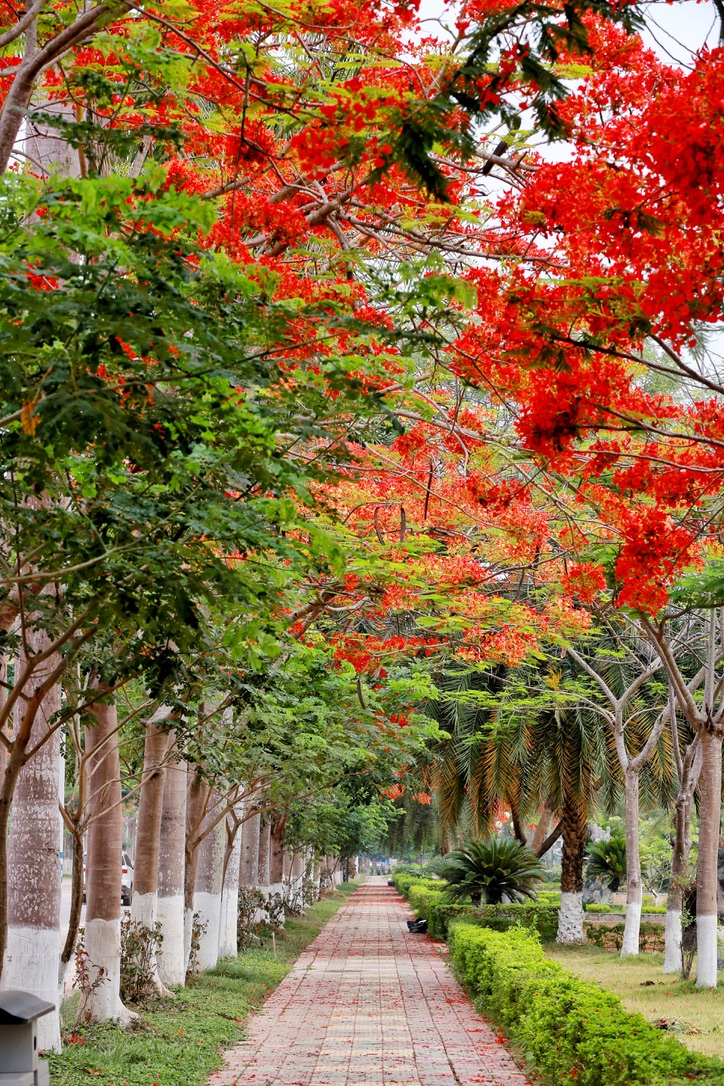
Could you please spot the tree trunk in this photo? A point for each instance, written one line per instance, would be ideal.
(249, 862)
(208, 887)
(541, 831)
(570, 914)
(707, 864)
(276, 856)
(144, 905)
(171, 867)
(103, 882)
(32, 957)
(679, 864)
(632, 927)
(197, 798)
(228, 937)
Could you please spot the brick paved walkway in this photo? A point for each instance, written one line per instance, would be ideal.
(369, 1003)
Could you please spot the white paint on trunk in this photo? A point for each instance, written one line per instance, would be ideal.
(228, 940)
(103, 946)
(172, 955)
(208, 906)
(632, 929)
(144, 909)
(31, 964)
(570, 918)
(706, 951)
(672, 951)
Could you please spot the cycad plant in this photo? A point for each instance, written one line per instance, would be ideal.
(607, 861)
(491, 868)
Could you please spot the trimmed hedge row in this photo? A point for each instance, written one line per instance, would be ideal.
(426, 897)
(652, 937)
(570, 1029)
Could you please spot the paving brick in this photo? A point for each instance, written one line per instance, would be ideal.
(367, 1003)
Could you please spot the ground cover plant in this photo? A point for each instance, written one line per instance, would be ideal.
(179, 1042)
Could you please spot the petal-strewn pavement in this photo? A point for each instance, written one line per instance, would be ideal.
(369, 1003)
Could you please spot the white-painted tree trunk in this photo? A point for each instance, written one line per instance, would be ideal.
(103, 879)
(570, 918)
(171, 866)
(228, 934)
(144, 904)
(632, 927)
(707, 882)
(32, 957)
(207, 891)
(673, 937)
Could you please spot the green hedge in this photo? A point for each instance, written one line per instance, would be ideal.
(427, 898)
(570, 1030)
(652, 937)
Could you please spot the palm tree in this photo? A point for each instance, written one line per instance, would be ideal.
(493, 868)
(607, 861)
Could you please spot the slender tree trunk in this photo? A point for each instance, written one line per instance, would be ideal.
(228, 936)
(265, 857)
(570, 914)
(105, 844)
(197, 798)
(144, 905)
(171, 868)
(208, 887)
(689, 776)
(632, 927)
(541, 831)
(76, 903)
(707, 861)
(32, 957)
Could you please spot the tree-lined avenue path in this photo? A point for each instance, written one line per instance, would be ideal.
(369, 1003)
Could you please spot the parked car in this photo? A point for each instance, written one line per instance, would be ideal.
(126, 878)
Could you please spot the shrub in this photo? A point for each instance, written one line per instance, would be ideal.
(548, 897)
(610, 936)
(491, 869)
(570, 1029)
(607, 861)
(139, 947)
(427, 898)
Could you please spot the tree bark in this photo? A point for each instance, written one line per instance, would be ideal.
(32, 957)
(276, 855)
(689, 768)
(228, 937)
(144, 905)
(103, 882)
(541, 831)
(171, 869)
(197, 798)
(707, 861)
(632, 927)
(208, 887)
(570, 915)
(249, 862)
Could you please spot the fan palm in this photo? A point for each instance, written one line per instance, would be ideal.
(491, 868)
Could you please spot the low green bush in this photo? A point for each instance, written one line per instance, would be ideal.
(569, 1029)
(548, 897)
(552, 879)
(652, 937)
(655, 910)
(427, 899)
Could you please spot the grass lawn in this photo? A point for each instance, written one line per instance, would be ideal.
(179, 1042)
(695, 1016)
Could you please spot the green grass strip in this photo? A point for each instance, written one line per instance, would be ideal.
(180, 1042)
